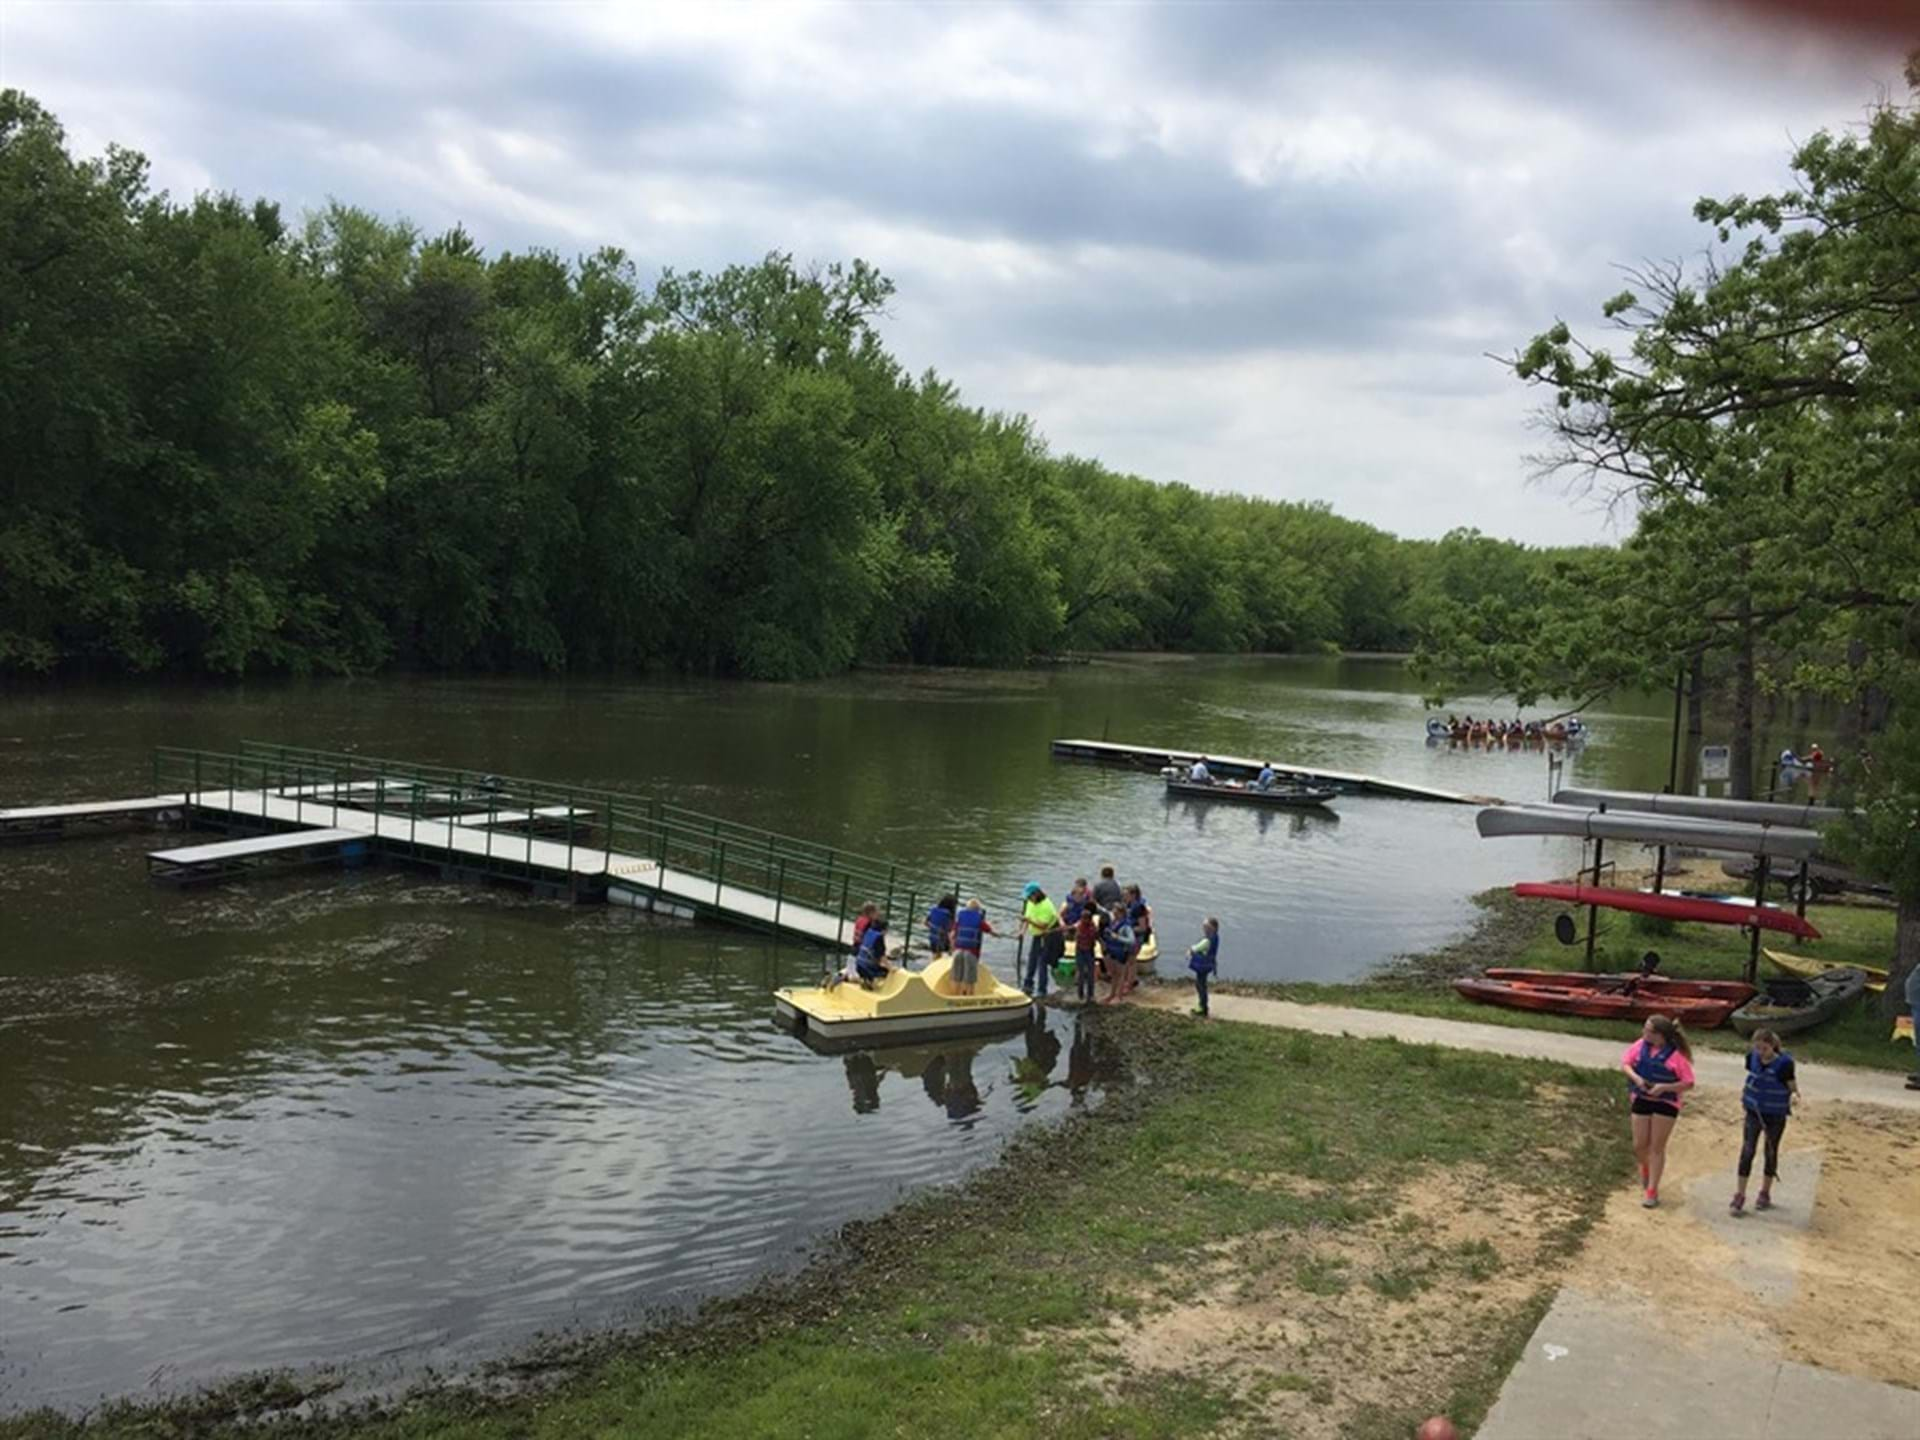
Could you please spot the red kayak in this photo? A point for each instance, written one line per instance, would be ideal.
(1672, 907)
(1609, 997)
(1737, 991)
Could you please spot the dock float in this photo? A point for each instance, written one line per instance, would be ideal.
(50, 822)
(1239, 767)
(226, 859)
(286, 806)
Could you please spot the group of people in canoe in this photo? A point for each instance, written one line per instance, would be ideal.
(1659, 1071)
(1505, 732)
(1106, 924)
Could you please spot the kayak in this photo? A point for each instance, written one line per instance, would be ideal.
(1734, 990)
(1788, 1005)
(1672, 907)
(1560, 998)
(907, 1004)
(1805, 969)
(1281, 798)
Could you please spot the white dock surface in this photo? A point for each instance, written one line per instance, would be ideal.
(553, 856)
(150, 805)
(253, 845)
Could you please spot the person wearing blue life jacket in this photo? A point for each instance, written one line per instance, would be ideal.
(970, 928)
(1768, 1100)
(940, 924)
(1119, 945)
(1659, 1070)
(870, 963)
(1203, 959)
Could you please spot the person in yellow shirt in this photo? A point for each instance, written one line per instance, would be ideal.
(1040, 923)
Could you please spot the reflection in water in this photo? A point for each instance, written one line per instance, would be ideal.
(345, 1117)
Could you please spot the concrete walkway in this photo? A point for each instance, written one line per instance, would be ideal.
(1593, 1371)
(1714, 1069)
(1607, 1360)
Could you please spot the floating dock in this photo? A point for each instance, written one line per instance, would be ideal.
(1239, 767)
(50, 822)
(293, 807)
(227, 859)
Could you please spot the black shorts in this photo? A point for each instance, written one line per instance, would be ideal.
(1644, 1106)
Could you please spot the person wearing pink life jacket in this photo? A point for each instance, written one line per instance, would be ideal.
(1659, 1071)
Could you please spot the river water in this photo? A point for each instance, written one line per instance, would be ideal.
(372, 1120)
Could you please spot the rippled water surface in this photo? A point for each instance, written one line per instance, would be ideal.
(365, 1118)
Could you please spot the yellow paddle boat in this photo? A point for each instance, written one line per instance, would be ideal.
(1806, 969)
(906, 1005)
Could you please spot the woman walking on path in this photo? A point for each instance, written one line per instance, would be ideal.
(1659, 1070)
(1768, 1100)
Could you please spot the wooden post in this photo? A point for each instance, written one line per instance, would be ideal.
(1593, 911)
(1759, 899)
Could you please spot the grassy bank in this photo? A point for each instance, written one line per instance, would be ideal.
(1238, 1244)
(1520, 933)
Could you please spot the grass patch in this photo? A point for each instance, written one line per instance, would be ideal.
(1519, 933)
(995, 1309)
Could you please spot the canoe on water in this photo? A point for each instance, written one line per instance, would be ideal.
(1673, 907)
(1802, 968)
(1787, 1006)
(1628, 997)
(1279, 798)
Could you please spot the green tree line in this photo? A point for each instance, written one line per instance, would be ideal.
(234, 444)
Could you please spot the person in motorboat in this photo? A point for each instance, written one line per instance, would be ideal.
(940, 924)
(1200, 774)
(969, 928)
(870, 963)
(1040, 923)
(1267, 778)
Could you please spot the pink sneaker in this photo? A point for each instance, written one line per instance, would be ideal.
(1737, 1204)
(1651, 1202)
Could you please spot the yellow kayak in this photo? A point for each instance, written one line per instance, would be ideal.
(908, 1004)
(1806, 969)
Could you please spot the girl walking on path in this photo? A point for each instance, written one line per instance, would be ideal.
(1768, 1100)
(1659, 1070)
(1203, 958)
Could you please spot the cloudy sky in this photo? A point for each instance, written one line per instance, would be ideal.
(1259, 247)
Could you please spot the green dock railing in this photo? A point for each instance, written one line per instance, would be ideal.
(597, 827)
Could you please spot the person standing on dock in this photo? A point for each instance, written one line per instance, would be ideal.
(1040, 923)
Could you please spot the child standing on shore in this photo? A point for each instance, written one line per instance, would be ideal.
(1086, 933)
(1768, 1100)
(1203, 958)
